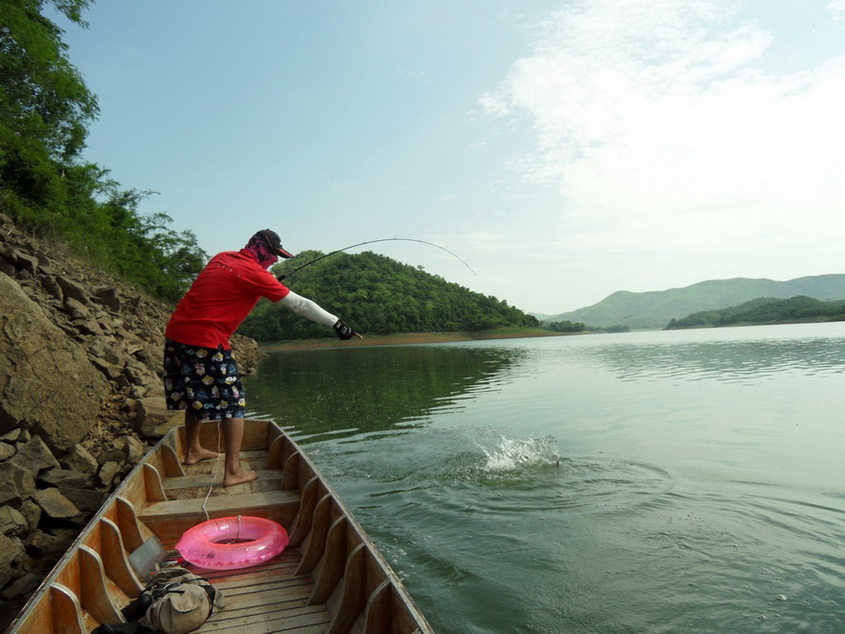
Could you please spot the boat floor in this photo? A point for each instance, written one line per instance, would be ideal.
(266, 598)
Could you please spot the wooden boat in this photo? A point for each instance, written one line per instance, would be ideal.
(330, 578)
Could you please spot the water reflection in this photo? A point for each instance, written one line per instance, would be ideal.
(345, 392)
(724, 360)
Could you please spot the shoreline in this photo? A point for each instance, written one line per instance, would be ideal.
(406, 339)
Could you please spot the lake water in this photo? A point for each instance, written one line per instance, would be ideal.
(683, 481)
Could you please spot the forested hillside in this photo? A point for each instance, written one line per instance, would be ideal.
(654, 309)
(45, 185)
(378, 295)
(765, 310)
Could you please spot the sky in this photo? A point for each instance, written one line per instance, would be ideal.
(563, 150)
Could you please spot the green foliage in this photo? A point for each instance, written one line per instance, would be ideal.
(564, 326)
(378, 295)
(45, 110)
(764, 310)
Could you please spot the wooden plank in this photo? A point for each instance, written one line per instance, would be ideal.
(315, 543)
(377, 616)
(172, 463)
(352, 601)
(197, 483)
(305, 515)
(115, 560)
(95, 596)
(127, 523)
(223, 506)
(67, 613)
(153, 484)
(332, 565)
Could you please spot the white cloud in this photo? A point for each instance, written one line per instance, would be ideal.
(837, 9)
(663, 133)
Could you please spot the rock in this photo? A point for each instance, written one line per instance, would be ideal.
(16, 435)
(132, 448)
(71, 289)
(108, 472)
(22, 588)
(62, 478)
(31, 512)
(51, 545)
(12, 521)
(78, 458)
(40, 361)
(35, 456)
(87, 500)
(108, 298)
(55, 505)
(112, 454)
(11, 551)
(6, 451)
(16, 484)
(153, 419)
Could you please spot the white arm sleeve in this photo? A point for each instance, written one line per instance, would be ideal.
(308, 309)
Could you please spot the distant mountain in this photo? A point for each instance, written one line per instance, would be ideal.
(654, 309)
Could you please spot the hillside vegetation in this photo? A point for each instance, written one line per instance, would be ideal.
(378, 295)
(45, 185)
(655, 309)
(765, 310)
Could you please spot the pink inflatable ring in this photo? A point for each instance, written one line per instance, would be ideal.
(252, 540)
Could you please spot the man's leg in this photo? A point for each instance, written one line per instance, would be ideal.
(233, 434)
(195, 452)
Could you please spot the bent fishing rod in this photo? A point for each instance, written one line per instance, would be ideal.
(360, 244)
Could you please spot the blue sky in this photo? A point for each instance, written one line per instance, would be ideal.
(564, 150)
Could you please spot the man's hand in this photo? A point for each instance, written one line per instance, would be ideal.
(344, 331)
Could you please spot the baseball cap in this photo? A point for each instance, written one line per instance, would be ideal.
(274, 242)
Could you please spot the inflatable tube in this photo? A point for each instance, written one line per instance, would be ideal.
(252, 540)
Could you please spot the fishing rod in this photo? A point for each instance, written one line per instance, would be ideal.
(360, 244)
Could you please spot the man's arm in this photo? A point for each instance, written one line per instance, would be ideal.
(311, 310)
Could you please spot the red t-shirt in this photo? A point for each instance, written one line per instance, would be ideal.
(221, 297)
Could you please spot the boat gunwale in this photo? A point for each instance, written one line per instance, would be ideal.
(118, 496)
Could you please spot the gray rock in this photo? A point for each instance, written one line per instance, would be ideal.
(108, 472)
(22, 588)
(35, 456)
(54, 504)
(16, 484)
(42, 370)
(11, 551)
(12, 521)
(78, 458)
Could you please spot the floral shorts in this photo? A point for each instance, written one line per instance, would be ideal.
(205, 381)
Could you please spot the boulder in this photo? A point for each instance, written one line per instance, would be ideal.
(16, 484)
(78, 458)
(12, 521)
(54, 504)
(35, 456)
(11, 551)
(47, 383)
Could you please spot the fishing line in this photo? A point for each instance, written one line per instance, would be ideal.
(360, 244)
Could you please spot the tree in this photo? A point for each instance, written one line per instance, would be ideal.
(44, 105)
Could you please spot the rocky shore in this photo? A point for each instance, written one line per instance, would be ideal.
(80, 400)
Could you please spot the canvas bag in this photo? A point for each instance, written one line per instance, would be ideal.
(181, 601)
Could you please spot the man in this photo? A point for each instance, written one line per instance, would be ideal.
(201, 376)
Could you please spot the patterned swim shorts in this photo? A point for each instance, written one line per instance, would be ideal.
(204, 381)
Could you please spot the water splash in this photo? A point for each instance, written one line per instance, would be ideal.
(517, 454)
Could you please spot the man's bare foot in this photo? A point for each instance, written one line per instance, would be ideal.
(239, 478)
(193, 457)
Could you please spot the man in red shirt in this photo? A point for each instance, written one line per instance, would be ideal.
(201, 376)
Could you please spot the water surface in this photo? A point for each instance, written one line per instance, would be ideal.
(638, 482)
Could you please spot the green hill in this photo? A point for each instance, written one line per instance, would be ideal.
(655, 309)
(378, 295)
(765, 310)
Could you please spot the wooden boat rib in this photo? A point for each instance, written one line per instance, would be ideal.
(330, 578)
